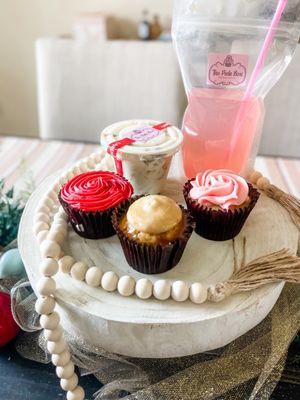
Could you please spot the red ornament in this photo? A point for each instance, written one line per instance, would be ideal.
(8, 327)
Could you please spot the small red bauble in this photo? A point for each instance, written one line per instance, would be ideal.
(8, 327)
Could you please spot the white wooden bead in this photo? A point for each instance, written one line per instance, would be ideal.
(262, 183)
(56, 236)
(69, 384)
(50, 321)
(180, 291)
(255, 176)
(162, 289)
(69, 175)
(39, 227)
(109, 281)
(66, 371)
(76, 170)
(56, 188)
(62, 359)
(53, 335)
(143, 288)
(43, 209)
(198, 293)
(57, 347)
(97, 157)
(49, 267)
(61, 222)
(76, 394)
(65, 264)
(90, 163)
(78, 271)
(93, 276)
(41, 236)
(49, 248)
(42, 217)
(61, 215)
(52, 195)
(126, 286)
(46, 286)
(48, 202)
(45, 305)
(83, 167)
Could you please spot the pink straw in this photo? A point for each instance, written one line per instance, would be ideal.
(265, 48)
(257, 69)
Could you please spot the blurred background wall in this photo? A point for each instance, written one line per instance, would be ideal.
(22, 22)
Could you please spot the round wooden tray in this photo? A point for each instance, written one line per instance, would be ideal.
(152, 328)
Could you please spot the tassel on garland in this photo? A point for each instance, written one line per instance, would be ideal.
(289, 202)
(279, 266)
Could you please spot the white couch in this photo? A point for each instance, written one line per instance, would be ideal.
(84, 88)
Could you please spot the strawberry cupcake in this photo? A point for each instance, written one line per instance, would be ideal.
(220, 202)
(89, 200)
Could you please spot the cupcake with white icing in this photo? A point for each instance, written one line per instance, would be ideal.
(220, 202)
(153, 231)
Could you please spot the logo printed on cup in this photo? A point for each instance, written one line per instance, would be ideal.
(143, 134)
(227, 69)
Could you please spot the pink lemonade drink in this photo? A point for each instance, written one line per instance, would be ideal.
(221, 130)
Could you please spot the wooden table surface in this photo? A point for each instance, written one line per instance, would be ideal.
(19, 158)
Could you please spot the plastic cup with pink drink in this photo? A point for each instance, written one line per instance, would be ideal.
(145, 149)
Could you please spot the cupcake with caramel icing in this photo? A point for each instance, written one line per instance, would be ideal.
(153, 231)
(220, 202)
(89, 200)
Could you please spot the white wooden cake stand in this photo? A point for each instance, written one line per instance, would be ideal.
(159, 329)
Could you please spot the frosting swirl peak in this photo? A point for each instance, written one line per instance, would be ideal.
(154, 214)
(96, 191)
(220, 188)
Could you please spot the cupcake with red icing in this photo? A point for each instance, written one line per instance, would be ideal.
(220, 202)
(89, 200)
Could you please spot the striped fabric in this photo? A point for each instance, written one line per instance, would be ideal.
(20, 156)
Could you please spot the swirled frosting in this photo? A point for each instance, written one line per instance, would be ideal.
(219, 188)
(154, 214)
(96, 191)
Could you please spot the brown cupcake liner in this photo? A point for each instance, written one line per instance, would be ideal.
(219, 225)
(147, 258)
(89, 224)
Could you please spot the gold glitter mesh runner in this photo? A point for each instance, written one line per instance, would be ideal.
(248, 368)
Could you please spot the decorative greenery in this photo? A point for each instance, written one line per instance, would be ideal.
(11, 209)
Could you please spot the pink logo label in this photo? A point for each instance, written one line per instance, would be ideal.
(227, 69)
(143, 134)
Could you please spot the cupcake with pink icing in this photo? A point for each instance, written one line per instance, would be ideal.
(220, 202)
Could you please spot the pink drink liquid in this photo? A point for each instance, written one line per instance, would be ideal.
(221, 130)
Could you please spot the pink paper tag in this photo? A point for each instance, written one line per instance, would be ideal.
(143, 134)
(227, 69)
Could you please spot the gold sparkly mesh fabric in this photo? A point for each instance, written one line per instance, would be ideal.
(248, 368)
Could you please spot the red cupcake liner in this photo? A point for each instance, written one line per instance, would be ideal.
(219, 225)
(147, 258)
(90, 224)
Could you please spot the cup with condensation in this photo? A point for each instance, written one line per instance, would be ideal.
(145, 161)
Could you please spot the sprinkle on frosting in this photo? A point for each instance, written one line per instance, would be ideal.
(96, 191)
(154, 214)
(220, 188)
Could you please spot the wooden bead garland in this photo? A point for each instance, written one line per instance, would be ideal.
(53, 335)
(45, 305)
(76, 394)
(180, 291)
(162, 289)
(126, 286)
(143, 288)
(46, 286)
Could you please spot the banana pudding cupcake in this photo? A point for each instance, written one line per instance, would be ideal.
(153, 231)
